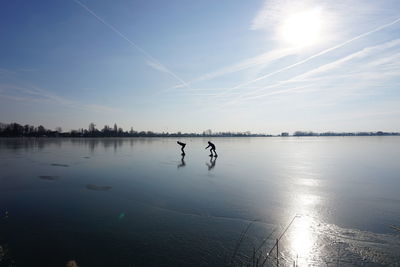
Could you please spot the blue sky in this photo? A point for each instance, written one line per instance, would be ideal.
(263, 66)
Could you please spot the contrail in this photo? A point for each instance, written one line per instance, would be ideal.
(244, 64)
(313, 56)
(138, 48)
(321, 68)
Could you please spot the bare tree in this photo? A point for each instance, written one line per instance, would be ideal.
(92, 127)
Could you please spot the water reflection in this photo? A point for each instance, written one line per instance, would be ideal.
(194, 219)
(302, 236)
(59, 165)
(182, 164)
(301, 240)
(29, 144)
(98, 187)
(48, 177)
(211, 165)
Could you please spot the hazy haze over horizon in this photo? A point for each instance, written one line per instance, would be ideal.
(263, 66)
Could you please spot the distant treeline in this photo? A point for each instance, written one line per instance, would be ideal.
(18, 130)
(303, 133)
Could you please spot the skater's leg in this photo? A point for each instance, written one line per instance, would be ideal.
(182, 147)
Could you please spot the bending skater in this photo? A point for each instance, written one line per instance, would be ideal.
(182, 147)
(212, 149)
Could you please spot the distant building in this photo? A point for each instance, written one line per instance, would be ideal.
(284, 134)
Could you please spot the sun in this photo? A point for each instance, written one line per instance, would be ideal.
(302, 29)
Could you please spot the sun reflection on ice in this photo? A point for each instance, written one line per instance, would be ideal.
(301, 239)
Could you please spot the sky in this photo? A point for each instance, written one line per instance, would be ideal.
(265, 66)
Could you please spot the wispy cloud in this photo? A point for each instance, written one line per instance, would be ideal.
(252, 62)
(28, 70)
(357, 55)
(10, 72)
(155, 63)
(38, 95)
(321, 53)
(362, 75)
(273, 11)
(6, 72)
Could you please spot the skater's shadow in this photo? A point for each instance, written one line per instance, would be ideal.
(182, 164)
(211, 165)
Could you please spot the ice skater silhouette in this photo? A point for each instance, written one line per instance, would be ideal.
(182, 147)
(212, 149)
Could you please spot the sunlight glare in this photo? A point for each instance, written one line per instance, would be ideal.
(302, 240)
(302, 29)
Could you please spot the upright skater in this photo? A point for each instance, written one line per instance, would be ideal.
(182, 147)
(212, 149)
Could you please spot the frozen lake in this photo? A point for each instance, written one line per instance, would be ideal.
(135, 201)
